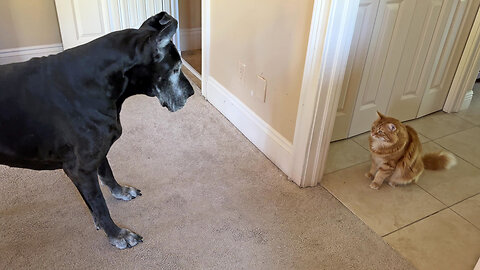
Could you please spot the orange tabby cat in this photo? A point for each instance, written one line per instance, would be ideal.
(396, 154)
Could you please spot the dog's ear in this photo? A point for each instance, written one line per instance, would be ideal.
(164, 24)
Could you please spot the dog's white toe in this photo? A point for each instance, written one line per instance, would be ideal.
(125, 239)
(126, 193)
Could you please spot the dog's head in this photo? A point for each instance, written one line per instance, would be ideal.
(168, 83)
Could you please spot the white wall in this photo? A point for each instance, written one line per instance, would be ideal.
(25, 23)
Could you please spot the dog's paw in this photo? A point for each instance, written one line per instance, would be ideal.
(125, 239)
(126, 193)
(374, 185)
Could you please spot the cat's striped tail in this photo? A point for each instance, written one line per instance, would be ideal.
(439, 161)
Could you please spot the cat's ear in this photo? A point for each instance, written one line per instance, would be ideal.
(380, 115)
(391, 127)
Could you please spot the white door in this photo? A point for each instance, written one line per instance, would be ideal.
(445, 62)
(398, 69)
(384, 55)
(84, 20)
(423, 81)
(367, 13)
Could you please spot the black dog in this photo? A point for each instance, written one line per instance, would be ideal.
(62, 111)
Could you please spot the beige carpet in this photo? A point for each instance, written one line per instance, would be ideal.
(210, 200)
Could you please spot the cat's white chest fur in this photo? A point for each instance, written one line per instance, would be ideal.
(376, 144)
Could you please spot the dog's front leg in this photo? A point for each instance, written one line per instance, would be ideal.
(125, 193)
(87, 185)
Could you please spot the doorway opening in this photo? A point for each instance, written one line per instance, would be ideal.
(402, 62)
(190, 38)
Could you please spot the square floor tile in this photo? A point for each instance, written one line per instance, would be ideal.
(442, 241)
(343, 154)
(362, 139)
(465, 144)
(439, 124)
(453, 185)
(470, 210)
(383, 210)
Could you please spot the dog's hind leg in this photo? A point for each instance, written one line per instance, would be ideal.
(125, 193)
(87, 185)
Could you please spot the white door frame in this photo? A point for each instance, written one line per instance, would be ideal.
(331, 34)
(205, 45)
(323, 76)
(467, 70)
(171, 6)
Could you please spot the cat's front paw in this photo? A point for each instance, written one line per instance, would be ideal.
(374, 185)
(369, 175)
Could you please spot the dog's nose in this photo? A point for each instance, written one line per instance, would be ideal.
(190, 91)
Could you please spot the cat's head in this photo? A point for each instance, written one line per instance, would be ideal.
(386, 129)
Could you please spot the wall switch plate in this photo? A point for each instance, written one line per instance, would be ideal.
(260, 91)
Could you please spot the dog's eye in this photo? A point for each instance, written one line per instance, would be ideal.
(176, 70)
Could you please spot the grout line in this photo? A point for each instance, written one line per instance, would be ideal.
(415, 221)
(353, 165)
(457, 116)
(465, 119)
(478, 228)
(360, 144)
(356, 164)
(428, 138)
(447, 207)
(478, 193)
(456, 155)
(456, 132)
(426, 191)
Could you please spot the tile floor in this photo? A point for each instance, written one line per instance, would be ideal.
(435, 223)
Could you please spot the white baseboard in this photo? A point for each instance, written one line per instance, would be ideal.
(191, 69)
(21, 54)
(467, 100)
(190, 39)
(276, 147)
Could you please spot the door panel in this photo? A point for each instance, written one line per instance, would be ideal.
(405, 65)
(367, 12)
(80, 21)
(384, 54)
(84, 20)
(406, 95)
(447, 55)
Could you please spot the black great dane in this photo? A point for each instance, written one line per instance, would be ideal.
(62, 111)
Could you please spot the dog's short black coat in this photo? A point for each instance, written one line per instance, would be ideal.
(62, 111)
